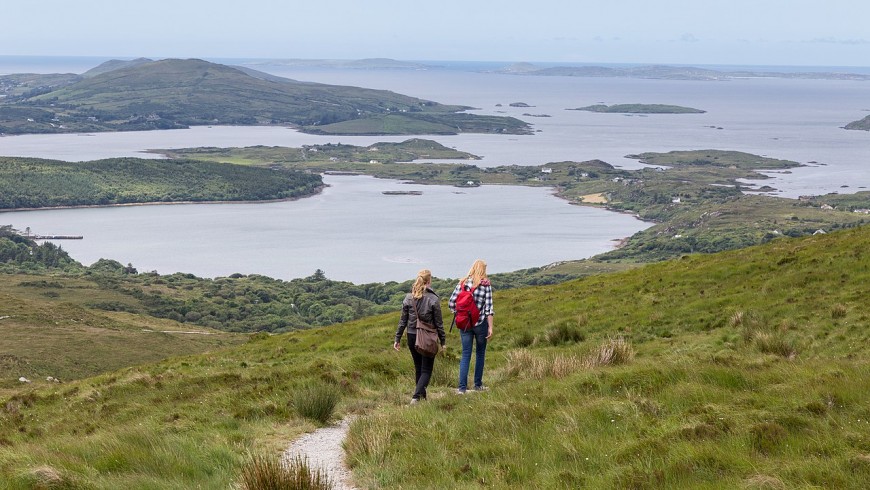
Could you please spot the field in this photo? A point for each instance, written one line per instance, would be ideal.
(744, 369)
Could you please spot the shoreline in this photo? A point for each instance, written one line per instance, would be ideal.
(162, 203)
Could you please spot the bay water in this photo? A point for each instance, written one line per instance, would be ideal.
(515, 227)
(352, 231)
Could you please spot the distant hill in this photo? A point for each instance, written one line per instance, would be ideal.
(862, 124)
(113, 65)
(174, 93)
(669, 72)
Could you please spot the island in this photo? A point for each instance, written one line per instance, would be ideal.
(639, 109)
(861, 124)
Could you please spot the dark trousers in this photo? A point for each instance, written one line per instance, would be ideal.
(422, 368)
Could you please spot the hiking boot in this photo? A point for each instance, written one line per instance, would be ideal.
(460, 391)
(480, 388)
(414, 401)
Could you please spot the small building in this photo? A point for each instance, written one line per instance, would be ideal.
(546, 170)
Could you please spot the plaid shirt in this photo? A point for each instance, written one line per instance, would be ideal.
(482, 297)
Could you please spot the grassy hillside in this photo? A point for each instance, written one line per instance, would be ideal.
(52, 329)
(176, 93)
(35, 183)
(749, 370)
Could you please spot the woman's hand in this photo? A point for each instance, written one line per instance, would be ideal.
(396, 346)
(489, 333)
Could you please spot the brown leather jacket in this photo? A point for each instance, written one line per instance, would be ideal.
(429, 307)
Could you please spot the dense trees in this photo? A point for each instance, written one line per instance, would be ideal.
(34, 183)
(18, 253)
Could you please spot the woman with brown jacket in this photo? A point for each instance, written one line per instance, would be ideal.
(421, 300)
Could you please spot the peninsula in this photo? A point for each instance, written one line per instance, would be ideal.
(173, 93)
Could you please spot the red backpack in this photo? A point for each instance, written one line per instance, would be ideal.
(466, 313)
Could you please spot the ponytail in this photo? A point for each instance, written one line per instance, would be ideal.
(423, 277)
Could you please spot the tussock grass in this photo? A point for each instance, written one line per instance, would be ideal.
(371, 439)
(265, 473)
(45, 477)
(317, 401)
(839, 310)
(524, 364)
(764, 482)
(564, 333)
(612, 352)
(775, 343)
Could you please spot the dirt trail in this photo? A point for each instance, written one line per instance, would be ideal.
(323, 450)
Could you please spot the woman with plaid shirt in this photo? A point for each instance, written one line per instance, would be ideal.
(477, 282)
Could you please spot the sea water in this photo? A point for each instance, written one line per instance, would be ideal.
(791, 119)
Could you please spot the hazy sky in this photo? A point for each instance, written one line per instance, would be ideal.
(767, 32)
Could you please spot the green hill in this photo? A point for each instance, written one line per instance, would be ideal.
(175, 93)
(745, 369)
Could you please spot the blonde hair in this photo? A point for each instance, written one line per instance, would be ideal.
(424, 277)
(477, 273)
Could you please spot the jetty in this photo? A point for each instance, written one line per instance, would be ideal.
(55, 237)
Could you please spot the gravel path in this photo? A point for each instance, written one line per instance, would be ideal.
(323, 450)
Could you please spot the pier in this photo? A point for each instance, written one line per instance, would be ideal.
(55, 237)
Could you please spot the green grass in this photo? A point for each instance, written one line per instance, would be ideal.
(670, 388)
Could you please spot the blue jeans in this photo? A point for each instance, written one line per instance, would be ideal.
(468, 337)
